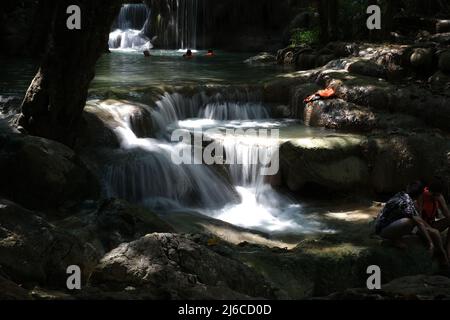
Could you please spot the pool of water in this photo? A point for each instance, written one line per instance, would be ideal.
(166, 67)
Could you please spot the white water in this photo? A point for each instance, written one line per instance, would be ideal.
(131, 29)
(145, 173)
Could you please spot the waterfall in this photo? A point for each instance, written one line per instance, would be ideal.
(175, 23)
(144, 173)
(131, 28)
(225, 105)
(187, 19)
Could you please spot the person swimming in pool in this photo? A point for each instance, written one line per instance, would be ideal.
(188, 54)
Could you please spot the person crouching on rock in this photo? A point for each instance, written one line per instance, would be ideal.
(400, 218)
(430, 203)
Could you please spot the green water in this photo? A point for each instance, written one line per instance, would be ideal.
(170, 68)
(122, 69)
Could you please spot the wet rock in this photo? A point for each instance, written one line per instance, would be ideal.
(173, 267)
(97, 130)
(367, 68)
(299, 94)
(34, 251)
(262, 58)
(40, 173)
(334, 163)
(444, 62)
(339, 114)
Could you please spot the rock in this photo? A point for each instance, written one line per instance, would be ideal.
(262, 58)
(367, 68)
(332, 163)
(334, 263)
(32, 250)
(11, 291)
(421, 286)
(281, 112)
(339, 114)
(111, 223)
(440, 82)
(97, 130)
(444, 62)
(41, 174)
(299, 94)
(396, 160)
(172, 267)
(422, 58)
(306, 61)
(443, 26)
(417, 287)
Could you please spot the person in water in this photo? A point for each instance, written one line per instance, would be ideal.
(147, 53)
(210, 53)
(188, 54)
(400, 218)
(432, 202)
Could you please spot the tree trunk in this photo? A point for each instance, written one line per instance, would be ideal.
(53, 105)
(333, 18)
(323, 20)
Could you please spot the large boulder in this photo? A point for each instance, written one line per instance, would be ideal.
(173, 267)
(41, 174)
(422, 58)
(332, 163)
(368, 68)
(35, 251)
(397, 160)
(339, 114)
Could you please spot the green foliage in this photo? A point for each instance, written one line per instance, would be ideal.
(303, 36)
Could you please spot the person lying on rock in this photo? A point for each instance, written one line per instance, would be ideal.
(400, 218)
(430, 203)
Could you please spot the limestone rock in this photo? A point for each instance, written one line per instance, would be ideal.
(444, 62)
(262, 58)
(171, 266)
(34, 251)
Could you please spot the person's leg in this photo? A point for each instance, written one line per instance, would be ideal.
(437, 239)
(443, 225)
(397, 229)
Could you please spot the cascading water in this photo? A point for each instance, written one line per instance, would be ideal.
(143, 172)
(187, 19)
(131, 28)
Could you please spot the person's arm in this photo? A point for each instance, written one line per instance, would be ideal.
(422, 225)
(444, 206)
(419, 204)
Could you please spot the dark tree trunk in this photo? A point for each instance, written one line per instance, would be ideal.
(333, 19)
(54, 102)
(323, 16)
